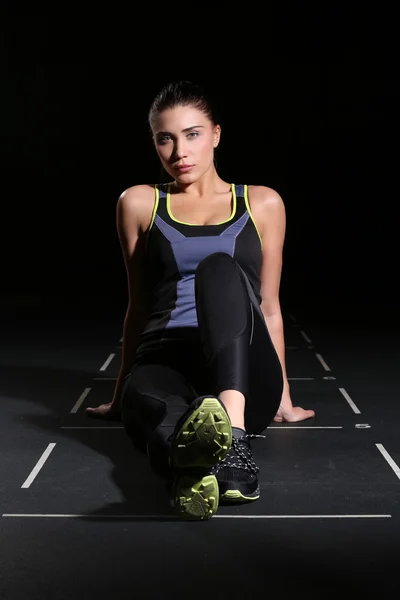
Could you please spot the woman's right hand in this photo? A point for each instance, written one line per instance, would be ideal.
(109, 411)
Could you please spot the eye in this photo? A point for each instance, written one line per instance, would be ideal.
(193, 134)
(162, 139)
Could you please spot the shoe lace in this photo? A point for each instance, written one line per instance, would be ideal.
(239, 456)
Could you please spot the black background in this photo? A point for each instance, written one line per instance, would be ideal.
(309, 103)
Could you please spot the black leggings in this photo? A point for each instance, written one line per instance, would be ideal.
(230, 350)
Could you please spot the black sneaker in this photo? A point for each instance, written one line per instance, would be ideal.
(202, 439)
(237, 472)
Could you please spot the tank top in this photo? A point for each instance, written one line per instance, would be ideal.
(174, 249)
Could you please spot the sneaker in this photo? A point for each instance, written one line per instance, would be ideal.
(202, 439)
(237, 473)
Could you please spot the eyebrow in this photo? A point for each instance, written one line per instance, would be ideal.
(183, 130)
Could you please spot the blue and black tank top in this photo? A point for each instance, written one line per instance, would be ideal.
(174, 249)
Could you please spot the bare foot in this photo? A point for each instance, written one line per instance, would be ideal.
(293, 414)
(104, 411)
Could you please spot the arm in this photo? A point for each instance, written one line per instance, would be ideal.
(270, 216)
(272, 219)
(131, 234)
(133, 216)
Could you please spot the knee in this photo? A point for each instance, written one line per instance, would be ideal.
(214, 262)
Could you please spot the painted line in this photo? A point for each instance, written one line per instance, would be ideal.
(80, 400)
(389, 459)
(323, 363)
(38, 466)
(350, 401)
(109, 359)
(301, 516)
(174, 517)
(282, 427)
(288, 426)
(305, 336)
(289, 378)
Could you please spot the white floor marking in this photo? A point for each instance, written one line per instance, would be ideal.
(288, 426)
(109, 359)
(323, 363)
(38, 466)
(305, 336)
(350, 401)
(289, 378)
(169, 517)
(80, 400)
(389, 459)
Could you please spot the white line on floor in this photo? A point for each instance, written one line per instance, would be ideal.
(109, 359)
(80, 400)
(174, 517)
(301, 516)
(305, 336)
(350, 401)
(288, 426)
(389, 459)
(323, 363)
(289, 378)
(38, 466)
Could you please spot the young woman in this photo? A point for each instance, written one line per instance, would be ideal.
(203, 360)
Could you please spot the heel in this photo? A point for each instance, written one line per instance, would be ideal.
(196, 499)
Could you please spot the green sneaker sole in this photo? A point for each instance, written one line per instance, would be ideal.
(236, 496)
(204, 438)
(196, 499)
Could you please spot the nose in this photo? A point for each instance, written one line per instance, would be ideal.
(180, 149)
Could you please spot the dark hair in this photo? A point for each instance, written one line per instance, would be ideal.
(183, 93)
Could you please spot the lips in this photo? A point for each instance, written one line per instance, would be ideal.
(184, 168)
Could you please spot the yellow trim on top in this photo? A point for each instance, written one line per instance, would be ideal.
(153, 215)
(246, 199)
(234, 204)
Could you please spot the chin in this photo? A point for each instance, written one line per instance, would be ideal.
(186, 177)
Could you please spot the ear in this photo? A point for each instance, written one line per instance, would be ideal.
(216, 135)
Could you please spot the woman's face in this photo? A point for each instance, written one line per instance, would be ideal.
(185, 138)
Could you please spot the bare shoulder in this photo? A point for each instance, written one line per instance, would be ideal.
(136, 204)
(267, 206)
(265, 197)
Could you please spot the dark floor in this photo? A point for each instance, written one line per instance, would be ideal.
(83, 516)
